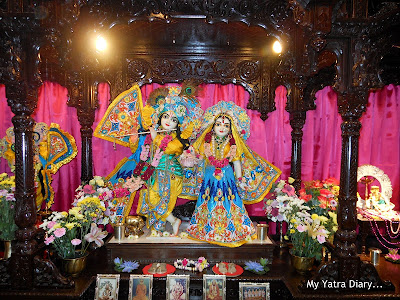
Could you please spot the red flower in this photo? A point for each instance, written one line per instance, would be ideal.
(302, 192)
(317, 184)
(306, 197)
(208, 137)
(325, 192)
(332, 181)
(243, 132)
(88, 189)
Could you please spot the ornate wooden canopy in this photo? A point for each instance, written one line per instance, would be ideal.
(340, 43)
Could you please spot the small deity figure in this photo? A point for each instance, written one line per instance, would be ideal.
(378, 201)
(220, 216)
(141, 291)
(159, 166)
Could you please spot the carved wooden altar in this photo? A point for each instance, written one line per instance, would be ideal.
(338, 43)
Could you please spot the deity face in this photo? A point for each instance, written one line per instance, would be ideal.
(169, 121)
(222, 126)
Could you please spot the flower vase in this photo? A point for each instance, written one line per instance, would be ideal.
(302, 265)
(7, 249)
(74, 266)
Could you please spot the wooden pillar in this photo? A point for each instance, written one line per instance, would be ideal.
(25, 213)
(297, 120)
(84, 98)
(345, 237)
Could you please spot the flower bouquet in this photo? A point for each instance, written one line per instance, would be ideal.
(275, 205)
(7, 207)
(70, 233)
(322, 199)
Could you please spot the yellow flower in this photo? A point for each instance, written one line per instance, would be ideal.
(57, 225)
(293, 221)
(79, 216)
(323, 219)
(314, 216)
(290, 180)
(64, 214)
(333, 216)
(292, 230)
(70, 225)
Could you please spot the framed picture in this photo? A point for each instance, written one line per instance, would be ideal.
(254, 290)
(178, 287)
(140, 286)
(214, 287)
(107, 286)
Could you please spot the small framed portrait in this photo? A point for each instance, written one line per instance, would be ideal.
(214, 287)
(140, 287)
(254, 291)
(107, 287)
(178, 287)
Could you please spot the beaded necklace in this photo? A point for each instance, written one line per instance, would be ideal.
(219, 145)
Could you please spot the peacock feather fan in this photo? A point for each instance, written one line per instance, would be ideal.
(157, 95)
(190, 88)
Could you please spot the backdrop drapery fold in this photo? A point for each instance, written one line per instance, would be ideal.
(321, 152)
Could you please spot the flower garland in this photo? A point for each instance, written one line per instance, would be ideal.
(212, 155)
(144, 156)
(192, 265)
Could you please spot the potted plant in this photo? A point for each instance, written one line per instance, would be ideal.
(70, 233)
(7, 212)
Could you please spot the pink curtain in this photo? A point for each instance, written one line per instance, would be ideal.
(380, 136)
(270, 138)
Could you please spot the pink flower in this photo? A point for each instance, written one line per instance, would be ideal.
(274, 212)
(59, 232)
(96, 235)
(49, 240)
(88, 189)
(333, 203)
(184, 262)
(51, 224)
(76, 242)
(321, 239)
(288, 189)
(301, 228)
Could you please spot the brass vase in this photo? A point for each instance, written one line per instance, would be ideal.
(7, 249)
(74, 266)
(303, 265)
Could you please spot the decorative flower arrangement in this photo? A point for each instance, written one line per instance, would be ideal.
(322, 199)
(192, 265)
(95, 199)
(307, 232)
(393, 256)
(74, 230)
(259, 268)
(276, 202)
(125, 266)
(7, 207)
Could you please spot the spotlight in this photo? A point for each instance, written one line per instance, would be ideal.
(101, 44)
(277, 47)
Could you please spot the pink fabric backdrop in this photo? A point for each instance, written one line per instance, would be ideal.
(379, 141)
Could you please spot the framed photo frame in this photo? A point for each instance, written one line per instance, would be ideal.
(254, 290)
(177, 287)
(140, 286)
(214, 287)
(107, 287)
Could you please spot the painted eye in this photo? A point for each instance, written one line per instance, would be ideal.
(175, 120)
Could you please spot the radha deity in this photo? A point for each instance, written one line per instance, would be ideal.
(220, 216)
(173, 116)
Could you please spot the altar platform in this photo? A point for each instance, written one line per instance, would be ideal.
(148, 249)
(284, 280)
